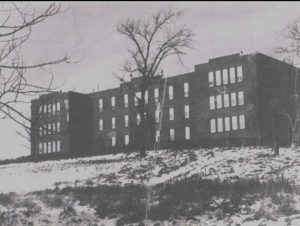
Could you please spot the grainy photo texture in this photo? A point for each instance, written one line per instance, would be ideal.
(149, 113)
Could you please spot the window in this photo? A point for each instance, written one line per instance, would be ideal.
(100, 105)
(58, 127)
(68, 117)
(138, 118)
(186, 89)
(54, 127)
(171, 93)
(113, 102)
(146, 97)
(126, 120)
(41, 109)
(45, 148)
(226, 100)
(233, 99)
(219, 101)
(126, 139)
(126, 100)
(66, 104)
(232, 74)
(225, 76)
(157, 106)
(239, 74)
(53, 146)
(100, 124)
(58, 146)
(227, 123)
(40, 148)
(58, 106)
(242, 121)
(41, 131)
(45, 108)
(156, 94)
(49, 128)
(171, 113)
(48, 147)
(137, 97)
(49, 109)
(113, 141)
(211, 79)
(212, 102)
(212, 125)
(157, 116)
(113, 122)
(186, 111)
(234, 124)
(220, 124)
(172, 134)
(187, 133)
(241, 97)
(218, 78)
(53, 108)
(157, 134)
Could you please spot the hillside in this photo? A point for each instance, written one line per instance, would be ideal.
(244, 186)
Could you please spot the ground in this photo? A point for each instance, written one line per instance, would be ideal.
(221, 186)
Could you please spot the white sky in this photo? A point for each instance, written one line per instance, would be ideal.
(87, 32)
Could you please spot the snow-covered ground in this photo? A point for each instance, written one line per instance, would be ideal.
(157, 167)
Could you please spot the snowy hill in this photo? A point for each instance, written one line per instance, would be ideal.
(157, 167)
(214, 187)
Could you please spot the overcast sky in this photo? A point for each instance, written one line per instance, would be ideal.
(87, 33)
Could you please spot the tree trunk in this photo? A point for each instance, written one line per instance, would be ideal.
(276, 149)
(143, 135)
(294, 141)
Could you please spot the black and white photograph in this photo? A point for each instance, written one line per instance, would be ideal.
(158, 113)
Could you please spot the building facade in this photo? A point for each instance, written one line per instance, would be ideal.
(235, 99)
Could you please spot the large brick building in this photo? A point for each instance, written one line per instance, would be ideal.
(228, 100)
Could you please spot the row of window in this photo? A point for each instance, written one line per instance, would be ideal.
(138, 117)
(227, 123)
(221, 77)
(187, 134)
(171, 132)
(226, 100)
(49, 147)
(138, 96)
(50, 128)
(50, 109)
(114, 140)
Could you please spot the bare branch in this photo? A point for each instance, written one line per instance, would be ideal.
(152, 41)
(18, 21)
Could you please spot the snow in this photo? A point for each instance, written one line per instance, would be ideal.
(163, 166)
(158, 167)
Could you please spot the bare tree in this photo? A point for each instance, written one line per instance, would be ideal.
(16, 23)
(152, 41)
(292, 51)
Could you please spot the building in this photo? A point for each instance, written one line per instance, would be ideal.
(61, 123)
(234, 99)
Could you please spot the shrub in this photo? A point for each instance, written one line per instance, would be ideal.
(68, 211)
(7, 199)
(31, 206)
(53, 201)
(89, 182)
(286, 206)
